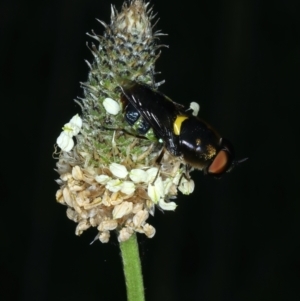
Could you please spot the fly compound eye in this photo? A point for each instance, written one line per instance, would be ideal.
(223, 161)
(220, 163)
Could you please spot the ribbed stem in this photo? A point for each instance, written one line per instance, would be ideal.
(132, 269)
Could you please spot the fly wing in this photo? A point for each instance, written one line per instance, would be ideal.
(158, 110)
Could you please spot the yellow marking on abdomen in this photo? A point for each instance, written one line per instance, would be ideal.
(177, 124)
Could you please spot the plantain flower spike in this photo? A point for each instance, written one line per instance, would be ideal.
(109, 177)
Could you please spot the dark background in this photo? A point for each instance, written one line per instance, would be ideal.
(233, 239)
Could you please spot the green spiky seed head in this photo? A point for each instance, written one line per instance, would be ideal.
(109, 178)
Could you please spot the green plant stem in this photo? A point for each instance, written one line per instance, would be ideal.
(132, 269)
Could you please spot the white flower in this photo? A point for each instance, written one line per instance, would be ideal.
(153, 194)
(167, 206)
(104, 236)
(156, 191)
(70, 129)
(73, 126)
(128, 187)
(195, 108)
(77, 173)
(102, 179)
(149, 230)
(186, 186)
(151, 174)
(65, 142)
(122, 209)
(138, 176)
(124, 234)
(118, 170)
(140, 218)
(111, 106)
(76, 121)
(82, 225)
(114, 185)
(108, 225)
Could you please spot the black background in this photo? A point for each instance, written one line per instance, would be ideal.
(233, 239)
